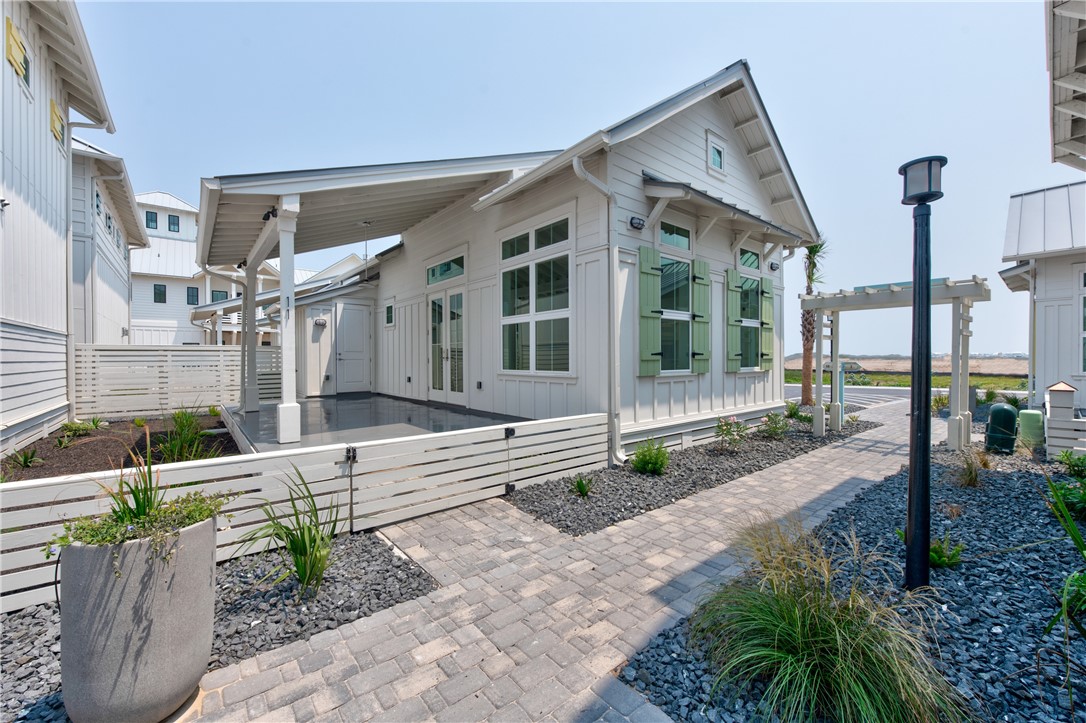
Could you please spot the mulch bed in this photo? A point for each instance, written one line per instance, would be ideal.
(104, 449)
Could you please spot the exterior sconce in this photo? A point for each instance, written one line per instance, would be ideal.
(637, 223)
(774, 266)
(320, 322)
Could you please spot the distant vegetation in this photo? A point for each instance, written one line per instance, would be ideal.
(887, 379)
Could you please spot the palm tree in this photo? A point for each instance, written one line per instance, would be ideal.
(812, 270)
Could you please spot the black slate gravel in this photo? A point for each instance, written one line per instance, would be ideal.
(994, 606)
(367, 576)
(620, 493)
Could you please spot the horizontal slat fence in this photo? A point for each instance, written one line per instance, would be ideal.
(388, 481)
(131, 380)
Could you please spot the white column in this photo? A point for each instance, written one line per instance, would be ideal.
(966, 415)
(209, 334)
(252, 389)
(218, 329)
(835, 377)
(954, 423)
(289, 419)
(818, 425)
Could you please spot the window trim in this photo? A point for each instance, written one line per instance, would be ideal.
(435, 261)
(148, 216)
(531, 259)
(390, 310)
(188, 295)
(675, 315)
(170, 218)
(714, 140)
(745, 272)
(154, 293)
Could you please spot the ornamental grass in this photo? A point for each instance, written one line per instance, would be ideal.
(799, 622)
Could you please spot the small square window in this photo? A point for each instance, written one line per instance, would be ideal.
(390, 315)
(174, 223)
(716, 157)
(673, 235)
(192, 296)
(160, 293)
(716, 153)
(749, 259)
(219, 296)
(152, 219)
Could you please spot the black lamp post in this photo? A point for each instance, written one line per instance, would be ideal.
(923, 184)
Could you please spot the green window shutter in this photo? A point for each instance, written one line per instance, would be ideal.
(648, 294)
(701, 330)
(767, 325)
(732, 353)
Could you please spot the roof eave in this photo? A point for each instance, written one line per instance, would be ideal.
(100, 113)
(595, 142)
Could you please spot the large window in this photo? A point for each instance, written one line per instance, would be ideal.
(192, 296)
(151, 219)
(160, 293)
(219, 295)
(750, 311)
(174, 222)
(535, 288)
(445, 270)
(675, 319)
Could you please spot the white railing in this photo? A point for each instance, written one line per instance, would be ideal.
(373, 484)
(130, 380)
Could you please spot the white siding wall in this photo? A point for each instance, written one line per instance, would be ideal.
(1059, 325)
(33, 240)
(163, 324)
(186, 219)
(676, 151)
(402, 348)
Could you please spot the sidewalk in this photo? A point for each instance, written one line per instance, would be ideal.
(530, 623)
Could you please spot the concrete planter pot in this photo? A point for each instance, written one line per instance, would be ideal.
(135, 646)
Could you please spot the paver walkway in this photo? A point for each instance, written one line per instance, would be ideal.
(531, 623)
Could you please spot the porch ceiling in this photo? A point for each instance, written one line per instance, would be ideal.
(340, 206)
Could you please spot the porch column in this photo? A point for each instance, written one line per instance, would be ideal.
(218, 329)
(209, 334)
(966, 412)
(818, 424)
(252, 388)
(835, 377)
(954, 423)
(289, 418)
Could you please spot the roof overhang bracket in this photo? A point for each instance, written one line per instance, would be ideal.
(740, 239)
(657, 212)
(268, 238)
(774, 248)
(705, 224)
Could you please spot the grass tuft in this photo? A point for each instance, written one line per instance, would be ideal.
(650, 457)
(581, 486)
(969, 476)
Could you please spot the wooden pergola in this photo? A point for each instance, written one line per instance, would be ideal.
(828, 308)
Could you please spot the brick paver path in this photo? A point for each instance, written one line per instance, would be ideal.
(530, 623)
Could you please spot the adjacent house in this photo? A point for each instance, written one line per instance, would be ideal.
(47, 71)
(1065, 41)
(105, 225)
(637, 272)
(1046, 241)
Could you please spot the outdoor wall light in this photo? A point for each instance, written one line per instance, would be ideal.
(774, 266)
(923, 180)
(272, 213)
(637, 223)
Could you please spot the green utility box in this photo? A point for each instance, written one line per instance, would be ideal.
(1031, 428)
(1002, 429)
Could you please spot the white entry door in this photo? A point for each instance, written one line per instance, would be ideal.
(447, 346)
(353, 343)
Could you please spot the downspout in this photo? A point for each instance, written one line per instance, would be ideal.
(614, 421)
(94, 268)
(69, 263)
(224, 277)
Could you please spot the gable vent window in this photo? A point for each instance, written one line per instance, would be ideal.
(151, 219)
(174, 223)
(716, 153)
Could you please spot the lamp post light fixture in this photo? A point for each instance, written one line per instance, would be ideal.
(923, 184)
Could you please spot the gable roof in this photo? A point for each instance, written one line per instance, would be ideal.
(119, 187)
(166, 257)
(1048, 222)
(734, 84)
(165, 199)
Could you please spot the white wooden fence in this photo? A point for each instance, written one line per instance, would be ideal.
(373, 484)
(130, 380)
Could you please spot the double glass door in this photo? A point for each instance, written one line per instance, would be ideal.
(447, 346)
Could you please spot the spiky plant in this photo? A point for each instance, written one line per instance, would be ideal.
(813, 262)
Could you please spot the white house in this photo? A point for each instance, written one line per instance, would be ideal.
(1046, 241)
(105, 225)
(638, 272)
(47, 71)
(167, 284)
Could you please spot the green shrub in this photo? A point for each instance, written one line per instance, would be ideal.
(938, 403)
(140, 422)
(305, 538)
(822, 646)
(75, 429)
(1073, 495)
(1014, 400)
(731, 432)
(1075, 463)
(581, 486)
(989, 396)
(650, 457)
(942, 552)
(25, 459)
(1073, 596)
(857, 380)
(213, 411)
(774, 425)
(791, 410)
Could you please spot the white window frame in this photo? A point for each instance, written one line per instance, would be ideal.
(531, 259)
(439, 259)
(748, 273)
(390, 305)
(667, 251)
(712, 140)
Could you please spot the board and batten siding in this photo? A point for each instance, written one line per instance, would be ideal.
(676, 150)
(168, 323)
(1059, 325)
(402, 348)
(33, 245)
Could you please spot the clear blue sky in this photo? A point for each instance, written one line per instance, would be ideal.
(854, 90)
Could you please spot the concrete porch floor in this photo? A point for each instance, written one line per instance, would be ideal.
(360, 417)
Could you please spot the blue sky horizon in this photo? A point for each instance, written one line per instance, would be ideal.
(853, 90)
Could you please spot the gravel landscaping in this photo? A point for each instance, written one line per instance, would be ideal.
(993, 606)
(620, 493)
(366, 576)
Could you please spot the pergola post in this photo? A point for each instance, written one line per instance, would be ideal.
(966, 412)
(248, 333)
(835, 376)
(818, 423)
(218, 328)
(289, 413)
(954, 423)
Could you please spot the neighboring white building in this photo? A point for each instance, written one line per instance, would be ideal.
(167, 284)
(47, 71)
(638, 272)
(105, 225)
(1046, 240)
